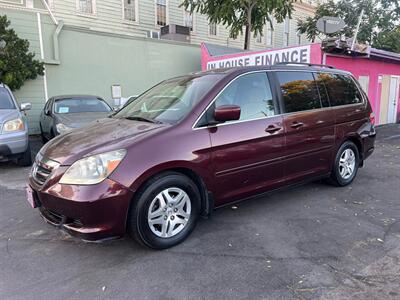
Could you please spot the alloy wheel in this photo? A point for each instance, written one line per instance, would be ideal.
(169, 212)
(347, 163)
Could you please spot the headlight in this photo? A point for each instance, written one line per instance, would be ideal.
(61, 128)
(93, 169)
(14, 125)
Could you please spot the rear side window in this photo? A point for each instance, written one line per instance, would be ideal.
(252, 93)
(341, 89)
(6, 101)
(299, 91)
(323, 94)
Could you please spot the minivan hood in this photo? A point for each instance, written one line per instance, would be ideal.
(8, 114)
(77, 120)
(97, 137)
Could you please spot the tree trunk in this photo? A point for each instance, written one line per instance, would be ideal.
(247, 37)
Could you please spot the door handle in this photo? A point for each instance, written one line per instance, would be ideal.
(296, 124)
(273, 128)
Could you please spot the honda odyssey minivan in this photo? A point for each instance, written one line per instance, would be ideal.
(200, 141)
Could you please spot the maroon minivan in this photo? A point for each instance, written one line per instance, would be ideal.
(200, 141)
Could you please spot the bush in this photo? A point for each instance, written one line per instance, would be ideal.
(17, 64)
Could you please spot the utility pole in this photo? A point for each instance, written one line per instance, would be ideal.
(357, 29)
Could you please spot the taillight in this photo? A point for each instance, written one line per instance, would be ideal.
(372, 118)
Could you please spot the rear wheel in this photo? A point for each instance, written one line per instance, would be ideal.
(346, 164)
(165, 211)
(26, 158)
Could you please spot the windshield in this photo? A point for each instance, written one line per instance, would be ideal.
(170, 101)
(80, 105)
(5, 99)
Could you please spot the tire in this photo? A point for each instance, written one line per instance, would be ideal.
(149, 200)
(345, 167)
(44, 140)
(26, 158)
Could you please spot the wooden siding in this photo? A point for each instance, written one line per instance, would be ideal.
(109, 17)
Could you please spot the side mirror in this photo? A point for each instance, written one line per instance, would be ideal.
(25, 106)
(226, 113)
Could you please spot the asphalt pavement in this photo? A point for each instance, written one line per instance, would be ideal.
(311, 242)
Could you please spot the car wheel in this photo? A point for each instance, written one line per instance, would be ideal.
(26, 158)
(165, 211)
(346, 165)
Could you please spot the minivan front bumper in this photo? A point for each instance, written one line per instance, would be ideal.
(91, 212)
(13, 143)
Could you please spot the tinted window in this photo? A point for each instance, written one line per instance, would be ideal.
(171, 100)
(299, 91)
(252, 93)
(341, 89)
(79, 105)
(319, 78)
(5, 99)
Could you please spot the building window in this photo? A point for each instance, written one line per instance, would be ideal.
(86, 6)
(188, 19)
(130, 10)
(212, 28)
(161, 11)
(286, 25)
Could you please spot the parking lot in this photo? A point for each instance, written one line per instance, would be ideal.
(314, 241)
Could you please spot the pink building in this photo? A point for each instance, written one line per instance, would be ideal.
(378, 72)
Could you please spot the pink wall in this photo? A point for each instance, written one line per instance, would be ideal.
(367, 67)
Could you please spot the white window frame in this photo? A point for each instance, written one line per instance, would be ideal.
(166, 14)
(216, 30)
(286, 30)
(21, 2)
(81, 13)
(269, 36)
(136, 13)
(193, 19)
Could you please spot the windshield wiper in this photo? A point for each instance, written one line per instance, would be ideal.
(137, 118)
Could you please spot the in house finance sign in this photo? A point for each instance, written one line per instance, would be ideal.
(300, 54)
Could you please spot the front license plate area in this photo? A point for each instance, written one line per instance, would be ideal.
(31, 197)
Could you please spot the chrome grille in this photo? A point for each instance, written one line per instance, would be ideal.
(40, 174)
(42, 168)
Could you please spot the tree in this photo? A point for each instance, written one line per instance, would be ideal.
(236, 14)
(388, 40)
(17, 64)
(379, 16)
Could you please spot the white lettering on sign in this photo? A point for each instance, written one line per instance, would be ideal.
(296, 55)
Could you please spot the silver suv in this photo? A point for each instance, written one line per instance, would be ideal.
(14, 140)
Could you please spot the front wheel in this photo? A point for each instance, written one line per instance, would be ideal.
(346, 164)
(165, 211)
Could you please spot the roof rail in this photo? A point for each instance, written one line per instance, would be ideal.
(305, 64)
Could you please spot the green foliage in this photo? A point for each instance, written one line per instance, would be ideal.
(17, 64)
(380, 18)
(388, 40)
(236, 14)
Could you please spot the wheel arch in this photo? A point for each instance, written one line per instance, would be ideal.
(206, 197)
(357, 141)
